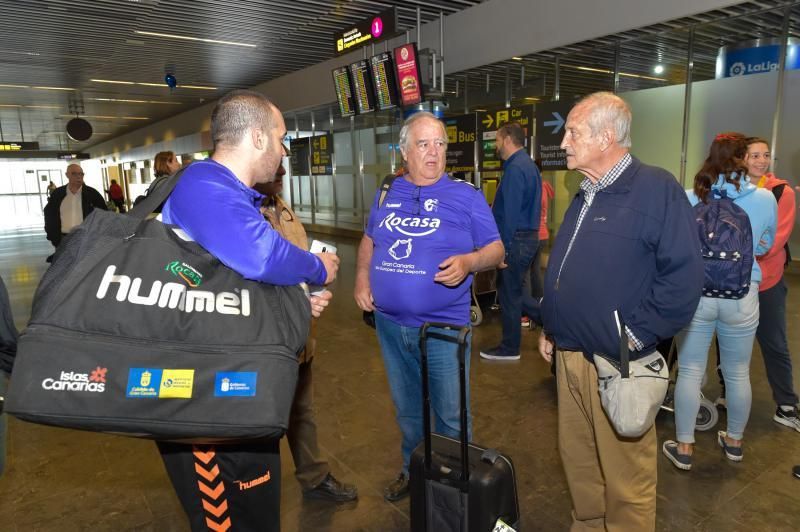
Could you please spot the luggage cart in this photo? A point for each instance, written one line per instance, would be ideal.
(485, 282)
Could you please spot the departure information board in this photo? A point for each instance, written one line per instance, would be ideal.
(363, 90)
(344, 91)
(383, 76)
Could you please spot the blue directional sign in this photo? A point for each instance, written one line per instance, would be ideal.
(550, 120)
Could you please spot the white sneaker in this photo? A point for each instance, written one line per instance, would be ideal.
(787, 418)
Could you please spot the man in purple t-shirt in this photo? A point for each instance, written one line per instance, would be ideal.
(414, 266)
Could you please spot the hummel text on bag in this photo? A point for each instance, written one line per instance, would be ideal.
(174, 295)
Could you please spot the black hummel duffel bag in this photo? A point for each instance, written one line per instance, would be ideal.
(138, 332)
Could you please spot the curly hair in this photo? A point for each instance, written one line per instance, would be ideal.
(725, 158)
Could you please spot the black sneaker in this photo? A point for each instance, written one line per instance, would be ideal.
(796, 471)
(331, 489)
(787, 418)
(681, 461)
(734, 454)
(498, 353)
(397, 489)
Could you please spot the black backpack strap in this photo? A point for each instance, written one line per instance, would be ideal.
(385, 186)
(156, 197)
(777, 191)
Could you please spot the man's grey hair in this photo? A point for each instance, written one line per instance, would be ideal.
(238, 111)
(609, 111)
(416, 117)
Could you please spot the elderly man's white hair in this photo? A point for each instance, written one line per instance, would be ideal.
(609, 111)
(416, 117)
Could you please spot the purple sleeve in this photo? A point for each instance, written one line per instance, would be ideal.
(484, 228)
(221, 220)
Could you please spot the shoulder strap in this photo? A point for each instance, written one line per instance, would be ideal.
(156, 197)
(385, 186)
(777, 191)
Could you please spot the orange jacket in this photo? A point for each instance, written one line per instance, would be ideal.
(772, 262)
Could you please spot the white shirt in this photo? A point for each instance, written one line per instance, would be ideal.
(71, 211)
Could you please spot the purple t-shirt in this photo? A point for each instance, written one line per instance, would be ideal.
(415, 230)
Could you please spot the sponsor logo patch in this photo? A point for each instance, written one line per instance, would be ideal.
(235, 384)
(176, 384)
(410, 226)
(191, 276)
(73, 381)
(143, 382)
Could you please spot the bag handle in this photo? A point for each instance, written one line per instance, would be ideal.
(461, 340)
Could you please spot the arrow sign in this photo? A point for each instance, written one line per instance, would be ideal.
(488, 121)
(556, 124)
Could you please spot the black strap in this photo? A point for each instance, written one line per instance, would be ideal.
(777, 191)
(386, 184)
(150, 203)
(624, 351)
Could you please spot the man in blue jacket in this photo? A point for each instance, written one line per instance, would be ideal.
(628, 247)
(516, 209)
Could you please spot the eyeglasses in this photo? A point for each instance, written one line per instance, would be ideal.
(415, 197)
(424, 144)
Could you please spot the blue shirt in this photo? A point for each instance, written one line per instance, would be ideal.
(415, 230)
(518, 203)
(222, 214)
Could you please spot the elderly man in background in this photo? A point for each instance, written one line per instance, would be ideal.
(627, 252)
(414, 266)
(69, 204)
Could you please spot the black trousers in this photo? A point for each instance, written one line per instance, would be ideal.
(227, 487)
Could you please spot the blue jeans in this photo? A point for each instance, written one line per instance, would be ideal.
(735, 322)
(401, 356)
(519, 257)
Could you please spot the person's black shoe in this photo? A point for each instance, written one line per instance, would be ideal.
(397, 489)
(331, 489)
(796, 471)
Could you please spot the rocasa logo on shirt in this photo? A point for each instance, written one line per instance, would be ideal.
(72, 381)
(410, 225)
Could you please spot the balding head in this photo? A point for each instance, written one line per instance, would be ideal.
(75, 177)
(597, 134)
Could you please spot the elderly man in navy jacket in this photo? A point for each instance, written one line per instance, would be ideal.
(628, 247)
(517, 210)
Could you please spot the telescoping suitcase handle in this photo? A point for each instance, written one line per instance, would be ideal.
(461, 341)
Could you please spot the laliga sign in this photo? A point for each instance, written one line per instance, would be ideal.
(756, 57)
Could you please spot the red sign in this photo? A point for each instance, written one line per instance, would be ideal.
(408, 76)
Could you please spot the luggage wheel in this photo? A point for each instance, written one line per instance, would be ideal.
(707, 416)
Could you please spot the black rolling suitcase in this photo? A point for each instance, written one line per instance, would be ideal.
(456, 485)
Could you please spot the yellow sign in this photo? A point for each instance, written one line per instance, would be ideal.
(176, 384)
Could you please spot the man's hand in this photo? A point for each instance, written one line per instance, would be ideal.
(546, 348)
(319, 302)
(454, 269)
(331, 263)
(363, 295)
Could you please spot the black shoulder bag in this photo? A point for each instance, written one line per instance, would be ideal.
(138, 332)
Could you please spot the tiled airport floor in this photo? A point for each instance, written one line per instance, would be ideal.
(59, 480)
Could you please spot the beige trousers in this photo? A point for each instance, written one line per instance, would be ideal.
(612, 480)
